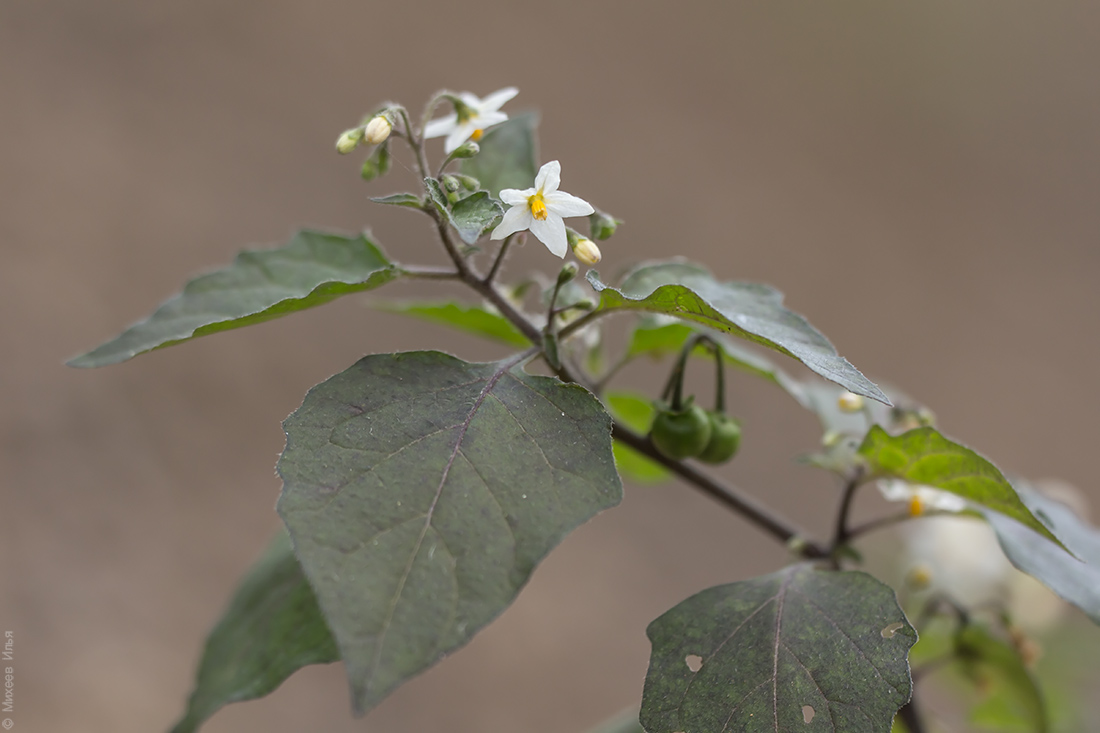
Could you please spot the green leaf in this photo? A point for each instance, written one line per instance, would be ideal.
(271, 629)
(1076, 581)
(469, 318)
(1013, 701)
(636, 412)
(475, 215)
(312, 269)
(772, 652)
(747, 310)
(400, 199)
(924, 456)
(651, 338)
(422, 490)
(437, 196)
(508, 157)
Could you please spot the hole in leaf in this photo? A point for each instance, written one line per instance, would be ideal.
(694, 662)
(807, 713)
(889, 631)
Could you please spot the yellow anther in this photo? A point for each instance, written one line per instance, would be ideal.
(538, 207)
(477, 135)
(916, 507)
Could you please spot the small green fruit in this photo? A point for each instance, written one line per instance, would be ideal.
(681, 434)
(725, 437)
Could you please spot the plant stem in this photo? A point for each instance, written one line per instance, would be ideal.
(843, 534)
(499, 260)
(760, 515)
(430, 273)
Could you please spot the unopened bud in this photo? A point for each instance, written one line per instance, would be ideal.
(377, 130)
(349, 140)
(849, 402)
(587, 252)
(467, 149)
(601, 226)
(568, 272)
(468, 182)
(450, 183)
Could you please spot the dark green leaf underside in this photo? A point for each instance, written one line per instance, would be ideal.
(421, 491)
(271, 629)
(1075, 580)
(747, 310)
(508, 156)
(772, 650)
(312, 269)
(924, 456)
(468, 318)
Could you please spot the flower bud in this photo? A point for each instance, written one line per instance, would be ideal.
(377, 130)
(468, 182)
(849, 402)
(450, 183)
(568, 272)
(601, 226)
(467, 149)
(349, 140)
(587, 252)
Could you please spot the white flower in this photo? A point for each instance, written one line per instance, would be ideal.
(470, 118)
(541, 209)
(920, 497)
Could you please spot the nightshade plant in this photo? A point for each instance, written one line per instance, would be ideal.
(420, 491)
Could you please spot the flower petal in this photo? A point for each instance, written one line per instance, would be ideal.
(549, 177)
(441, 126)
(515, 196)
(488, 119)
(516, 219)
(459, 135)
(497, 99)
(551, 232)
(566, 204)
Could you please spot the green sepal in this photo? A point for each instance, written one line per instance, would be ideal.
(400, 199)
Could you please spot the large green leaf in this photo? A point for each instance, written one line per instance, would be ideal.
(1011, 700)
(312, 269)
(271, 629)
(422, 490)
(798, 650)
(653, 338)
(475, 215)
(747, 310)
(469, 318)
(924, 456)
(1076, 581)
(508, 155)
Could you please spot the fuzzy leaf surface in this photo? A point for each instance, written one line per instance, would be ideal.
(1075, 580)
(469, 318)
(475, 215)
(312, 269)
(422, 490)
(924, 456)
(399, 199)
(508, 155)
(272, 628)
(750, 311)
(773, 651)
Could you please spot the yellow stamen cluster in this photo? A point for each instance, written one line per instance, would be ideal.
(916, 507)
(538, 206)
(477, 135)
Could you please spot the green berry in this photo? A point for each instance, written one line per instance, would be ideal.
(725, 437)
(681, 434)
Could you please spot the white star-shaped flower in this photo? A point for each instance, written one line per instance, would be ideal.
(541, 210)
(470, 119)
(920, 497)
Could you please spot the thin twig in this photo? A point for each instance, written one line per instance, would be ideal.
(843, 534)
(499, 260)
(431, 273)
(760, 515)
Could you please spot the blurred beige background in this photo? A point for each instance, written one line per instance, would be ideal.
(921, 179)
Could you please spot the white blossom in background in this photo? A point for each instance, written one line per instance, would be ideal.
(920, 498)
(470, 119)
(541, 210)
